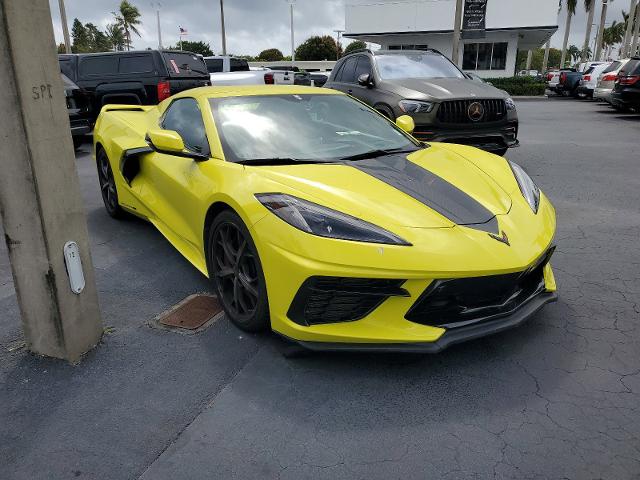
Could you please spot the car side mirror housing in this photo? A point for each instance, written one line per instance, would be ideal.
(170, 142)
(406, 123)
(365, 80)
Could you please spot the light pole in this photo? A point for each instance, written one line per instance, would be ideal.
(338, 33)
(65, 27)
(603, 18)
(157, 6)
(224, 35)
(293, 48)
(455, 55)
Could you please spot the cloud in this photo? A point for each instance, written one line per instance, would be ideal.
(255, 25)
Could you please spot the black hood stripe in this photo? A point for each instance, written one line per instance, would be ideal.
(431, 190)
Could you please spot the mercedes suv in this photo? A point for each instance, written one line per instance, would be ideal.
(446, 105)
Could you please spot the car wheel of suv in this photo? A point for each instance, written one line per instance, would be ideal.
(108, 186)
(236, 272)
(386, 111)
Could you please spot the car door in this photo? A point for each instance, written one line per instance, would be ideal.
(363, 92)
(173, 187)
(345, 77)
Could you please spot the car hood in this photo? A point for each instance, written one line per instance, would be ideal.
(431, 188)
(441, 88)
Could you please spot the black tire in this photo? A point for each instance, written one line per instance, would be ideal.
(108, 187)
(386, 111)
(236, 273)
(621, 108)
(77, 142)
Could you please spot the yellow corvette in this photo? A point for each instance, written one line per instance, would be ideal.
(319, 218)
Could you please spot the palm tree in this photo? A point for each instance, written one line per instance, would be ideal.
(115, 37)
(589, 7)
(612, 36)
(574, 53)
(571, 11)
(127, 17)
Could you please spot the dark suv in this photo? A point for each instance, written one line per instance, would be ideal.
(626, 92)
(446, 105)
(137, 77)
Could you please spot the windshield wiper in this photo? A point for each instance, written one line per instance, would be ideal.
(379, 153)
(278, 161)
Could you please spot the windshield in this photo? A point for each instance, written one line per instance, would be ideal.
(303, 127)
(416, 65)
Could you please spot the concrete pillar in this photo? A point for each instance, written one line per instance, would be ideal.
(40, 202)
(529, 59)
(545, 61)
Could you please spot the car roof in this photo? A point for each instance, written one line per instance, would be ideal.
(253, 90)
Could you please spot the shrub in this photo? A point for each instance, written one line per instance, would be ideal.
(519, 86)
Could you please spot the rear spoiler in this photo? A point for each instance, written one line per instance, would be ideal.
(126, 108)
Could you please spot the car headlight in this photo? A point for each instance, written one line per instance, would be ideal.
(415, 106)
(511, 105)
(529, 189)
(325, 222)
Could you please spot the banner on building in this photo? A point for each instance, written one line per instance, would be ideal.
(474, 19)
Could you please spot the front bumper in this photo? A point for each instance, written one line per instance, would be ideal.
(449, 338)
(290, 258)
(488, 138)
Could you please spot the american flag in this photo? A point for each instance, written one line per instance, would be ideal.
(182, 30)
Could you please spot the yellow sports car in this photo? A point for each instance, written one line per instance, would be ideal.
(316, 216)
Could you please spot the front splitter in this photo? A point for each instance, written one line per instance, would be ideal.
(449, 338)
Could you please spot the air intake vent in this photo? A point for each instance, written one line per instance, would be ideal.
(322, 300)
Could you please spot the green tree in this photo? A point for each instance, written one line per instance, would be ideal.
(80, 36)
(538, 59)
(317, 48)
(115, 37)
(271, 55)
(195, 47)
(574, 53)
(128, 17)
(61, 48)
(612, 36)
(98, 41)
(357, 45)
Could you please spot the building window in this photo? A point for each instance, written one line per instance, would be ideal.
(409, 46)
(485, 56)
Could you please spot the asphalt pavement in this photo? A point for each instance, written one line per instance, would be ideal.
(558, 398)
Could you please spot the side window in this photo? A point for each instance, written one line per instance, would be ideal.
(238, 65)
(184, 116)
(349, 71)
(338, 75)
(105, 65)
(214, 65)
(136, 64)
(363, 67)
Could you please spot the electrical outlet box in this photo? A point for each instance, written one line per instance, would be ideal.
(73, 263)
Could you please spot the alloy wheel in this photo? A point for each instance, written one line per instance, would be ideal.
(107, 184)
(235, 271)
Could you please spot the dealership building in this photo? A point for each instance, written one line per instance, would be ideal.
(511, 25)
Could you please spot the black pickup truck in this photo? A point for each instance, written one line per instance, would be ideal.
(137, 77)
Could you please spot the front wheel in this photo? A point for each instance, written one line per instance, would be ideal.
(108, 186)
(236, 272)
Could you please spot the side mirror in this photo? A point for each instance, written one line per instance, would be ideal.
(406, 123)
(171, 143)
(165, 141)
(365, 80)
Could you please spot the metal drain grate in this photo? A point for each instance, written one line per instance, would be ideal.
(192, 313)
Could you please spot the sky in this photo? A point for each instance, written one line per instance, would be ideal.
(255, 25)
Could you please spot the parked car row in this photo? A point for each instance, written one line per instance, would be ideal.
(617, 83)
